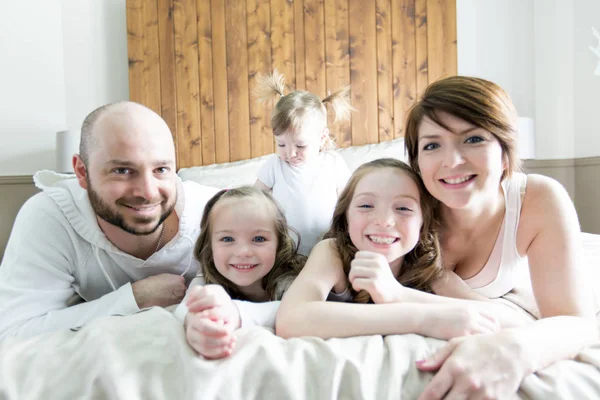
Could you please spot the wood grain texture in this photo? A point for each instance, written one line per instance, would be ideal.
(237, 80)
(196, 62)
(282, 40)
(205, 72)
(441, 39)
(363, 71)
(404, 83)
(259, 63)
(337, 60)
(186, 74)
(166, 39)
(314, 34)
(220, 89)
(385, 69)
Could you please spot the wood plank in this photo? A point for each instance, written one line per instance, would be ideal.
(259, 63)
(237, 80)
(314, 34)
(421, 45)
(151, 76)
(363, 71)
(166, 40)
(135, 49)
(186, 69)
(205, 78)
(385, 100)
(337, 59)
(221, 111)
(404, 61)
(299, 46)
(441, 38)
(282, 40)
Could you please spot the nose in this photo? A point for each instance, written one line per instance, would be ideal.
(292, 151)
(146, 187)
(385, 218)
(452, 157)
(243, 250)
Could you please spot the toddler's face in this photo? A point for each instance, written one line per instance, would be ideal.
(244, 242)
(384, 215)
(300, 147)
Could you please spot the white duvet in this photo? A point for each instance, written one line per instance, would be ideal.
(145, 356)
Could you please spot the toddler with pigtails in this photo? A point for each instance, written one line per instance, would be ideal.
(304, 175)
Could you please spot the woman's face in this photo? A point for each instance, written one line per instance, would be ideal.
(462, 166)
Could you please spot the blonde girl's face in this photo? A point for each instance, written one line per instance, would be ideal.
(300, 147)
(384, 215)
(244, 242)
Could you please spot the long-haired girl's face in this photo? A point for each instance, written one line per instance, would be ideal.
(244, 241)
(302, 145)
(384, 215)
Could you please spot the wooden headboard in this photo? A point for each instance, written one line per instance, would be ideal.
(195, 63)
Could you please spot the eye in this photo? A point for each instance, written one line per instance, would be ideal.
(430, 146)
(280, 145)
(122, 171)
(366, 206)
(162, 170)
(259, 239)
(474, 139)
(301, 147)
(227, 239)
(404, 209)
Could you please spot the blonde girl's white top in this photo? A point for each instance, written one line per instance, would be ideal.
(308, 193)
(505, 268)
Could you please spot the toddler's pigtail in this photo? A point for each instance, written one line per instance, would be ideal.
(269, 88)
(339, 102)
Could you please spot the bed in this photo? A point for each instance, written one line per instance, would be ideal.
(145, 355)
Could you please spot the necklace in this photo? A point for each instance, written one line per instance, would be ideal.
(160, 238)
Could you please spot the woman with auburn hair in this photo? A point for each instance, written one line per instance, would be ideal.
(499, 229)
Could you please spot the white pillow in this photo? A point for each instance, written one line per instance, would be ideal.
(239, 173)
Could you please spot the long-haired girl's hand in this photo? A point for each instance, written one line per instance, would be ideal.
(371, 272)
(213, 302)
(447, 321)
(210, 338)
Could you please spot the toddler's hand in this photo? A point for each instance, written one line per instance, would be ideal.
(209, 338)
(371, 272)
(213, 302)
(450, 321)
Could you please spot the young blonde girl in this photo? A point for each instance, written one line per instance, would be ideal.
(381, 239)
(304, 175)
(246, 253)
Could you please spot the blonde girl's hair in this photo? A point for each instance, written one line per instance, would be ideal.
(288, 262)
(422, 265)
(475, 100)
(291, 110)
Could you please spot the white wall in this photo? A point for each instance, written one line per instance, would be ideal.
(587, 86)
(495, 42)
(60, 60)
(32, 99)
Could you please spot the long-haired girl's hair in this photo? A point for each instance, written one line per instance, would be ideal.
(288, 262)
(291, 110)
(422, 265)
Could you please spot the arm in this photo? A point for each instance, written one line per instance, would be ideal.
(37, 276)
(304, 310)
(258, 184)
(549, 234)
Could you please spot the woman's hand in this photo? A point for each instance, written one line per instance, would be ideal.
(211, 320)
(478, 367)
(371, 272)
(449, 321)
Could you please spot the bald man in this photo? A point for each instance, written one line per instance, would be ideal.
(119, 234)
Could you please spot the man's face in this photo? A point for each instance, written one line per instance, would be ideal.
(131, 177)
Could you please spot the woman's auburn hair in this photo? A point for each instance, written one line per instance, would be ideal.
(474, 100)
(422, 265)
(288, 262)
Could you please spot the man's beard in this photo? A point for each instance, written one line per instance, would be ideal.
(113, 217)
